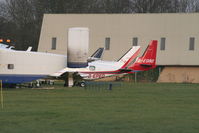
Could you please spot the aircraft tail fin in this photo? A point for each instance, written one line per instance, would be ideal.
(129, 56)
(148, 59)
(96, 55)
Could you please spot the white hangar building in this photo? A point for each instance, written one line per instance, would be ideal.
(177, 35)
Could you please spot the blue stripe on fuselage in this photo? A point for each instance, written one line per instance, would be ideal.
(18, 79)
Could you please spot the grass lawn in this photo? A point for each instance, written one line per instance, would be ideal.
(131, 108)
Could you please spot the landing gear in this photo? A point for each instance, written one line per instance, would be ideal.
(36, 84)
(82, 84)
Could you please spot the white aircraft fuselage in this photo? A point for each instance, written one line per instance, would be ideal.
(100, 69)
(25, 66)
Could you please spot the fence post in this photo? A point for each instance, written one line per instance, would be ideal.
(135, 77)
(1, 94)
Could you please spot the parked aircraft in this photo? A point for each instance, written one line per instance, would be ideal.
(18, 67)
(125, 65)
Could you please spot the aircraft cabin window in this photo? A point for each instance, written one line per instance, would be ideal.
(162, 43)
(191, 43)
(92, 68)
(54, 41)
(135, 41)
(10, 66)
(107, 43)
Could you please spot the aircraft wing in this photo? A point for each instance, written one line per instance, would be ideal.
(59, 73)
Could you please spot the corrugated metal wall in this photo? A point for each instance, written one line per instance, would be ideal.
(177, 29)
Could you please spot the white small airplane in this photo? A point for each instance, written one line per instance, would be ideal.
(129, 63)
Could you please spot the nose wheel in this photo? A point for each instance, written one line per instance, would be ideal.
(82, 84)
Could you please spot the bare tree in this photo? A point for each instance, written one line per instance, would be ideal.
(2, 9)
(21, 19)
(7, 28)
(153, 6)
(164, 6)
(197, 7)
(116, 6)
(20, 12)
(192, 6)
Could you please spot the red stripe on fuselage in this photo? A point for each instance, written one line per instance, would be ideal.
(104, 72)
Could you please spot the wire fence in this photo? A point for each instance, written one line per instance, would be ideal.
(103, 85)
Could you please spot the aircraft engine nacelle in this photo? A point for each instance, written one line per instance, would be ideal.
(78, 44)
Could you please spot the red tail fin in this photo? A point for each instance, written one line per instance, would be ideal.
(148, 59)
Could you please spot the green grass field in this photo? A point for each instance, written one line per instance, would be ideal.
(131, 108)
